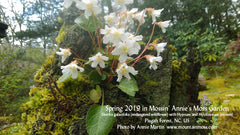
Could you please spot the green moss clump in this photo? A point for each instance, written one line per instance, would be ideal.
(40, 76)
(216, 83)
(174, 49)
(179, 72)
(43, 114)
(151, 83)
(76, 86)
(61, 33)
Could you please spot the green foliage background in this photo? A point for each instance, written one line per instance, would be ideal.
(17, 68)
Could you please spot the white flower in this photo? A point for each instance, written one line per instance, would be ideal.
(72, 68)
(111, 19)
(163, 25)
(106, 32)
(115, 36)
(126, 48)
(130, 15)
(90, 7)
(134, 38)
(122, 3)
(160, 47)
(65, 53)
(153, 61)
(98, 59)
(154, 14)
(124, 70)
(140, 17)
(68, 3)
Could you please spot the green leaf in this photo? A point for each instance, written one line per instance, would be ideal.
(104, 76)
(128, 86)
(200, 120)
(64, 77)
(98, 89)
(97, 123)
(89, 22)
(95, 94)
(215, 118)
(95, 77)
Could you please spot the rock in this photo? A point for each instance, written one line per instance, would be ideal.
(202, 82)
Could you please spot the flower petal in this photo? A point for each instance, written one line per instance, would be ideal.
(102, 64)
(74, 74)
(94, 64)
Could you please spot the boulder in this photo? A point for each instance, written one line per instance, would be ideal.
(202, 82)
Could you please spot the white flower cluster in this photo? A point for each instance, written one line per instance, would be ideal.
(118, 36)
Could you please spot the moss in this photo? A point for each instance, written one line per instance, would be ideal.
(174, 49)
(78, 86)
(229, 97)
(42, 114)
(216, 83)
(151, 83)
(42, 72)
(157, 40)
(61, 33)
(179, 72)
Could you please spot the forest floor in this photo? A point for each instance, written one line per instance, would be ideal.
(221, 93)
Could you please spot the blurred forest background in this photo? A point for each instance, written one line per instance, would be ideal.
(210, 26)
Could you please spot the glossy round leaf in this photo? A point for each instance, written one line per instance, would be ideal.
(97, 123)
(128, 86)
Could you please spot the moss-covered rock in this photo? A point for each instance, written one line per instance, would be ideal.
(44, 112)
(61, 107)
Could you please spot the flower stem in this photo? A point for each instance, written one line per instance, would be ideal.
(96, 32)
(99, 25)
(88, 30)
(148, 44)
(140, 22)
(110, 76)
(102, 97)
(52, 90)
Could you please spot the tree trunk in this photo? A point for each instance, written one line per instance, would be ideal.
(109, 4)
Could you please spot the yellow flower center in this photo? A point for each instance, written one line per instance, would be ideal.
(72, 68)
(120, 1)
(131, 15)
(65, 53)
(123, 70)
(124, 49)
(89, 6)
(116, 34)
(110, 19)
(154, 60)
(99, 58)
(150, 11)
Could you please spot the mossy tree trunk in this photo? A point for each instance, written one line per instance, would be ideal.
(184, 93)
